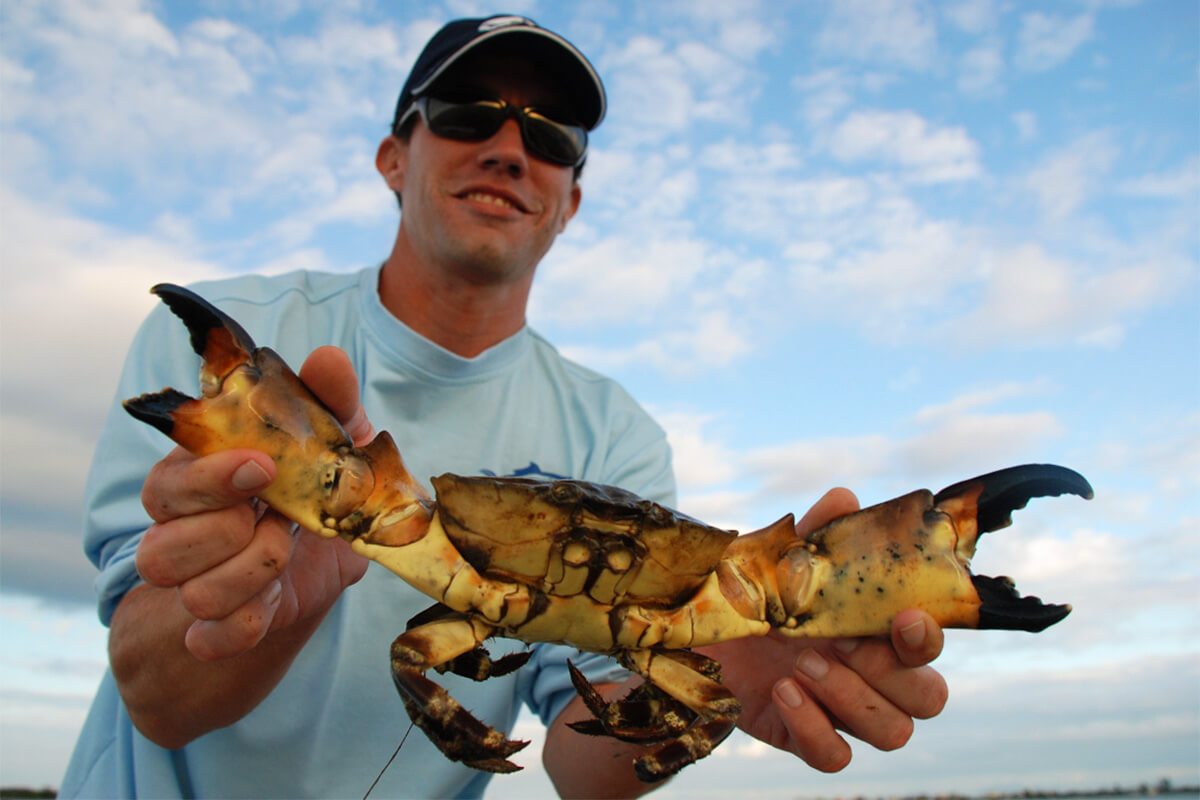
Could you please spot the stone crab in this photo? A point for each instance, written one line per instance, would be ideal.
(590, 566)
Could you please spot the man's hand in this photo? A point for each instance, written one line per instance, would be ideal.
(233, 592)
(797, 693)
(239, 568)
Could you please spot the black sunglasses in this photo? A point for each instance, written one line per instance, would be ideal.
(559, 143)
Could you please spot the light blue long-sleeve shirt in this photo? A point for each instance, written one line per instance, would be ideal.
(334, 719)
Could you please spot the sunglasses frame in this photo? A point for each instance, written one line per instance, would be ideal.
(524, 115)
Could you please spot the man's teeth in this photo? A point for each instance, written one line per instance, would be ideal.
(490, 198)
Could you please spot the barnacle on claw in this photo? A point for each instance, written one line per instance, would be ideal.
(591, 566)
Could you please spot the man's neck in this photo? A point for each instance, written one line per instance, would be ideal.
(465, 318)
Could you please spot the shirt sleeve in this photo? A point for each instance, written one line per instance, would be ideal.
(114, 519)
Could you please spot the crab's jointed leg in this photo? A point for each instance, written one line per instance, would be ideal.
(683, 705)
(453, 729)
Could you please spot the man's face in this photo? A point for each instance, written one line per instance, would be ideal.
(488, 211)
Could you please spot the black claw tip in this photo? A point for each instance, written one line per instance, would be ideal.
(157, 409)
(1008, 490)
(201, 316)
(1002, 608)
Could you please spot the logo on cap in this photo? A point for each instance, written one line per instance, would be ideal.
(493, 23)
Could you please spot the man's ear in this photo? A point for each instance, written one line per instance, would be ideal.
(572, 205)
(391, 159)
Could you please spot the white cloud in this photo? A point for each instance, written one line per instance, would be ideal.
(699, 460)
(649, 91)
(970, 16)
(970, 401)
(738, 29)
(73, 294)
(894, 32)
(697, 342)
(1026, 123)
(1031, 295)
(1045, 41)
(616, 280)
(981, 68)
(1074, 174)
(924, 153)
(1180, 183)
(826, 93)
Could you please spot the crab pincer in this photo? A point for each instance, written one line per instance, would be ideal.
(591, 566)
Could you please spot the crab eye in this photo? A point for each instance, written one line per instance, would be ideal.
(564, 492)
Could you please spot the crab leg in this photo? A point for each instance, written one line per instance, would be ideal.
(453, 729)
(690, 718)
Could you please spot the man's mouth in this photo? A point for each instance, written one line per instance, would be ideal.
(492, 199)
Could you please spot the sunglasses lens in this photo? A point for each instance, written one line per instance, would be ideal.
(470, 122)
(556, 142)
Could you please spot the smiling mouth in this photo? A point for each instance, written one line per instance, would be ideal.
(492, 199)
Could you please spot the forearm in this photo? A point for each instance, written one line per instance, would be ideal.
(592, 766)
(173, 697)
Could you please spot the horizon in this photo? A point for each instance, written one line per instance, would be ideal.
(881, 244)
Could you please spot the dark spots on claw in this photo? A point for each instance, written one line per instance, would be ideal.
(879, 589)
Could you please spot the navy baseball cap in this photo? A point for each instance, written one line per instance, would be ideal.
(521, 35)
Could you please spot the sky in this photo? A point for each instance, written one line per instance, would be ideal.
(881, 244)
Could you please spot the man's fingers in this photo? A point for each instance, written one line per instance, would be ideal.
(849, 698)
(813, 736)
(917, 691)
(917, 637)
(209, 640)
(328, 373)
(182, 484)
(835, 503)
(174, 551)
(220, 591)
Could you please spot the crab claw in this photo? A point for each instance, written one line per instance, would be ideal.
(251, 399)
(986, 503)
(853, 576)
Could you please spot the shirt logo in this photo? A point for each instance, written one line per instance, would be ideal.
(532, 471)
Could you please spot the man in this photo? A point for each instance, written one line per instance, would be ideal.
(242, 663)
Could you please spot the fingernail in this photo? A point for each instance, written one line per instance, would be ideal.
(272, 593)
(789, 694)
(358, 427)
(250, 476)
(914, 634)
(846, 646)
(812, 664)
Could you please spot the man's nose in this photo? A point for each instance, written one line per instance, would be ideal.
(505, 150)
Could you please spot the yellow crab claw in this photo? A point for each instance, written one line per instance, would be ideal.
(853, 576)
(251, 399)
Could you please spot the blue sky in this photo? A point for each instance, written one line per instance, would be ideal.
(880, 243)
